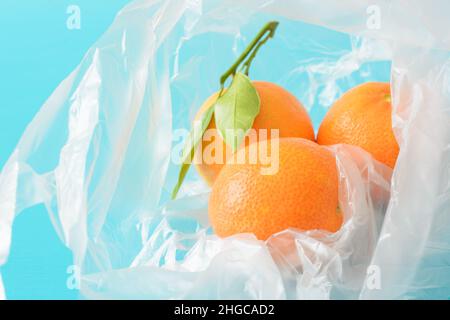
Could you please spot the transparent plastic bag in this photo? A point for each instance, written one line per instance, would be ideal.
(98, 154)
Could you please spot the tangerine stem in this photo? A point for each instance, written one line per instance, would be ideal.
(252, 50)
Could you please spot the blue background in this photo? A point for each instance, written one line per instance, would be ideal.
(37, 52)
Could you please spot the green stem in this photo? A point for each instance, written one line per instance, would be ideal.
(248, 62)
(268, 30)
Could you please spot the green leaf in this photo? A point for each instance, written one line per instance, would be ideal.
(236, 110)
(190, 146)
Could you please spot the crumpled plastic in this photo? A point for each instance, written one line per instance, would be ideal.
(98, 154)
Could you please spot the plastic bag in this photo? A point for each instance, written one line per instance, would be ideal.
(98, 154)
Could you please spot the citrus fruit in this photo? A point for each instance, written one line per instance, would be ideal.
(302, 193)
(362, 117)
(279, 109)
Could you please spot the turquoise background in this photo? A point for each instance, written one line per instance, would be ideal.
(37, 53)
